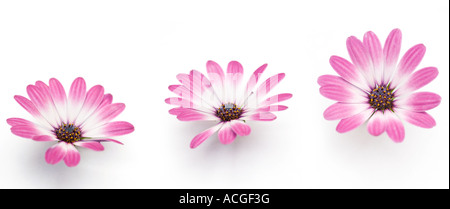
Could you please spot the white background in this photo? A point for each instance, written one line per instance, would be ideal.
(136, 48)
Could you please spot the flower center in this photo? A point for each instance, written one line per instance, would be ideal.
(228, 112)
(381, 98)
(68, 133)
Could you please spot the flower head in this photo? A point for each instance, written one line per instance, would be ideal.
(377, 88)
(81, 119)
(223, 98)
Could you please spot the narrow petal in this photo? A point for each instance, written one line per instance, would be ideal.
(359, 56)
(27, 131)
(271, 108)
(77, 94)
(192, 115)
(421, 119)
(348, 124)
(408, 64)
(268, 85)
(391, 51)
(253, 80)
(340, 93)
(116, 128)
(226, 134)
(418, 102)
(44, 138)
(216, 76)
(56, 153)
(340, 110)
(332, 80)
(72, 157)
(93, 145)
(276, 99)
(240, 128)
(235, 71)
(348, 72)
(107, 100)
(376, 125)
(200, 138)
(103, 115)
(59, 98)
(418, 80)
(374, 48)
(261, 116)
(93, 99)
(394, 127)
(44, 103)
(18, 122)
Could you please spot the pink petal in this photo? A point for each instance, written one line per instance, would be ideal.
(226, 134)
(376, 125)
(27, 131)
(340, 110)
(18, 122)
(342, 93)
(261, 116)
(59, 98)
(418, 102)
(93, 145)
(391, 51)
(192, 115)
(116, 128)
(276, 99)
(103, 116)
(268, 85)
(417, 80)
(102, 140)
(44, 103)
(93, 99)
(72, 157)
(216, 75)
(373, 46)
(348, 124)
(408, 63)
(182, 102)
(271, 108)
(235, 72)
(200, 138)
(359, 56)
(31, 108)
(56, 153)
(240, 128)
(107, 100)
(421, 119)
(44, 138)
(254, 79)
(348, 72)
(394, 127)
(336, 81)
(77, 94)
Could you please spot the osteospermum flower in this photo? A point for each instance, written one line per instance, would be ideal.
(223, 98)
(375, 87)
(83, 119)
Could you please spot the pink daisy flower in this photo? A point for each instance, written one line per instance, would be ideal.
(223, 98)
(83, 119)
(375, 87)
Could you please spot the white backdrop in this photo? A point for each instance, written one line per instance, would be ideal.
(136, 48)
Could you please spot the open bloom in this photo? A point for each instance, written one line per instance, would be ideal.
(80, 120)
(375, 87)
(225, 99)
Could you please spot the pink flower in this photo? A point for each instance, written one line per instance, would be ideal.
(83, 119)
(375, 87)
(224, 99)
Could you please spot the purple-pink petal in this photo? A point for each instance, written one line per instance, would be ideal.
(394, 127)
(348, 124)
(72, 157)
(93, 145)
(421, 119)
(276, 99)
(359, 56)
(376, 124)
(26, 131)
(240, 128)
(391, 51)
(201, 137)
(375, 51)
(418, 80)
(262, 116)
(408, 63)
(253, 80)
(56, 153)
(419, 101)
(268, 85)
(44, 138)
(226, 134)
(340, 110)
